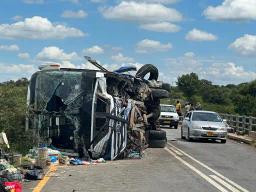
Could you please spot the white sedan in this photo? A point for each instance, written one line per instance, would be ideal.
(203, 125)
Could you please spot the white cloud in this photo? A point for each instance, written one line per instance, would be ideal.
(17, 68)
(141, 12)
(189, 54)
(68, 64)
(24, 55)
(9, 47)
(232, 10)
(37, 28)
(94, 50)
(183, 65)
(148, 45)
(226, 73)
(161, 27)
(245, 45)
(17, 18)
(156, 1)
(218, 72)
(198, 35)
(88, 65)
(33, 1)
(80, 14)
(120, 58)
(15, 71)
(55, 54)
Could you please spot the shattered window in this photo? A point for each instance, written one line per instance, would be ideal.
(58, 90)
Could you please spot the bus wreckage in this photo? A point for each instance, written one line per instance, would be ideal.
(96, 113)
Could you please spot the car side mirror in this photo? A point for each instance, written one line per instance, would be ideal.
(224, 120)
(187, 118)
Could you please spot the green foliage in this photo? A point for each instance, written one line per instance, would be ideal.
(189, 84)
(233, 99)
(246, 105)
(214, 95)
(12, 114)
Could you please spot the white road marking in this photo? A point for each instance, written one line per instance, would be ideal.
(208, 179)
(177, 152)
(225, 184)
(210, 169)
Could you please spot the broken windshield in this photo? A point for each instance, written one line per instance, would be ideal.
(58, 90)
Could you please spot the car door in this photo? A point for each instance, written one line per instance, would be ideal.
(189, 122)
(185, 123)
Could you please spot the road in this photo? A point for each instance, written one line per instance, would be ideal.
(182, 166)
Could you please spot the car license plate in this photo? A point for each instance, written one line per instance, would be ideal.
(167, 121)
(209, 133)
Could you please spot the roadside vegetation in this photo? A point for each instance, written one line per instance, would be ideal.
(233, 99)
(12, 114)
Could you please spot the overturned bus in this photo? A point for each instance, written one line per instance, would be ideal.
(96, 113)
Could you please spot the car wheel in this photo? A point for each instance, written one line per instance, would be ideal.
(181, 133)
(157, 143)
(223, 141)
(175, 126)
(157, 135)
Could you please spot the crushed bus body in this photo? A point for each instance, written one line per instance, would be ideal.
(97, 113)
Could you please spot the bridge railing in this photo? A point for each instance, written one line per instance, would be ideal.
(240, 124)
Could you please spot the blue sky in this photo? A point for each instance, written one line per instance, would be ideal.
(215, 39)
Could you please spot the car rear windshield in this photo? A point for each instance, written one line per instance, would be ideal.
(202, 116)
(168, 109)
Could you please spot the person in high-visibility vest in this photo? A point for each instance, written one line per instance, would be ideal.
(178, 108)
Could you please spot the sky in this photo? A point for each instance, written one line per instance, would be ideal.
(215, 39)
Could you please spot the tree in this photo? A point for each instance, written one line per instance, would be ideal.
(12, 114)
(252, 88)
(246, 106)
(189, 84)
(214, 95)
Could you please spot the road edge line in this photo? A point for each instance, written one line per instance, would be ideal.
(201, 174)
(45, 179)
(210, 169)
(222, 182)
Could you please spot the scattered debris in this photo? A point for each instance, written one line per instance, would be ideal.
(134, 155)
(12, 186)
(34, 174)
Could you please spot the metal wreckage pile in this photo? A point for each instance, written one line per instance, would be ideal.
(97, 113)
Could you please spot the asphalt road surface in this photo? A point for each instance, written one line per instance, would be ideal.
(182, 166)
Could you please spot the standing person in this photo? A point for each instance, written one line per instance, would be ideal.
(178, 108)
(192, 108)
(187, 107)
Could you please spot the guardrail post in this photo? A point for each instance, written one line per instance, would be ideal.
(244, 125)
(240, 124)
(237, 123)
(250, 123)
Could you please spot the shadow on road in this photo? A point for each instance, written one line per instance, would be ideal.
(197, 141)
